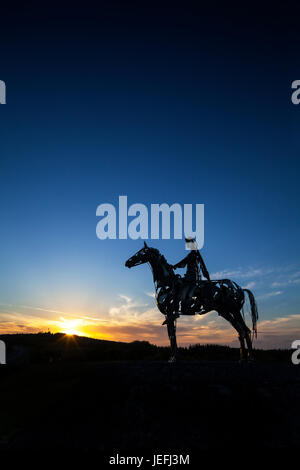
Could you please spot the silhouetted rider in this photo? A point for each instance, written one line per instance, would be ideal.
(194, 263)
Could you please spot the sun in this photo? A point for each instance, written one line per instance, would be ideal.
(71, 332)
(70, 327)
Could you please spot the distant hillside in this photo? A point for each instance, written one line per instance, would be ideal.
(48, 347)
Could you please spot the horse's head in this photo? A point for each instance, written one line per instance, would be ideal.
(142, 256)
(162, 271)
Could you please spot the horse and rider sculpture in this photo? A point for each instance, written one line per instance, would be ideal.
(191, 295)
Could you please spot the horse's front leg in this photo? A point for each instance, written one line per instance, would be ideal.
(171, 326)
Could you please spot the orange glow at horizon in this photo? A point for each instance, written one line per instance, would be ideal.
(70, 327)
(123, 326)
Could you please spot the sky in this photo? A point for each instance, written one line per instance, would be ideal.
(162, 102)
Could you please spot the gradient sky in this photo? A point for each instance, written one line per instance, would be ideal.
(167, 103)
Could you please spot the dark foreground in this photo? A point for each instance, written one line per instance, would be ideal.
(155, 406)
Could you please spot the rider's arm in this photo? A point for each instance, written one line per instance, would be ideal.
(181, 263)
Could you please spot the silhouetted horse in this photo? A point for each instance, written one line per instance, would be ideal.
(175, 297)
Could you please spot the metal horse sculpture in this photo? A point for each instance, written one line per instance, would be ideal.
(175, 297)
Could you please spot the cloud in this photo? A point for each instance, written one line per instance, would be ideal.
(133, 320)
(188, 332)
(9, 327)
(38, 309)
(269, 294)
(285, 283)
(250, 285)
(240, 273)
(128, 310)
(275, 277)
(126, 298)
(20, 322)
(292, 320)
(151, 294)
(278, 332)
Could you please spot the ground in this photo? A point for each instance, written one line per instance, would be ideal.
(135, 405)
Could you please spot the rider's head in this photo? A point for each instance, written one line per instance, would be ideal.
(191, 244)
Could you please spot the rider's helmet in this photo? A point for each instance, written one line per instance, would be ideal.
(191, 244)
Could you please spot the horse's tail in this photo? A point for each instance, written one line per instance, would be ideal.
(254, 312)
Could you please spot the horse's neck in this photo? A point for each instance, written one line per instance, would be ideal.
(160, 271)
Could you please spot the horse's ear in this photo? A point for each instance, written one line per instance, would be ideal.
(145, 245)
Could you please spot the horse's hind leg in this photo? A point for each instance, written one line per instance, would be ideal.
(249, 346)
(249, 343)
(243, 350)
(246, 334)
(231, 319)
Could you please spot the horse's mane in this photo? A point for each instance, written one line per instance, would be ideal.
(163, 260)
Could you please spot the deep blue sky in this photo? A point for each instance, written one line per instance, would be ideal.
(164, 104)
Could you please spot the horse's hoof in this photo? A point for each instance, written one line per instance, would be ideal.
(172, 360)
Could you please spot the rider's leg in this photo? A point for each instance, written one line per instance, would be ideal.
(175, 298)
(186, 294)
